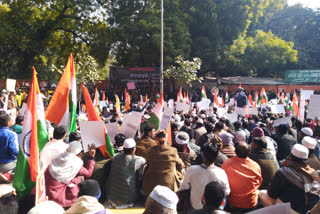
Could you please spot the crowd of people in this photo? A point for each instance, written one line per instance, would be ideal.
(204, 164)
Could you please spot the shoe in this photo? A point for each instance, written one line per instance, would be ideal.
(7, 177)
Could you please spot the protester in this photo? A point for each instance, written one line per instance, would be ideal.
(241, 98)
(87, 201)
(17, 127)
(119, 140)
(244, 177)
(123, 188)
(47, 207)
(164, 167)
(9, 148)
(293, 182)
(214, 194)
(284, 141)
(186, 154)
(199, 130)
(54, 147)
(265, 159)
(228, 146)
(161, 200)
(198, 176)
(61, 176)
(312, 161)
(146, 141)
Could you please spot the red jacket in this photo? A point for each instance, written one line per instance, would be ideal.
(66, 194)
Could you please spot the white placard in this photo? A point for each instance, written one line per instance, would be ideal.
(182, 107)
(11, 85)
(92, 132)
(23, 109)
(307, 94)
(221, 112)
(171, 103)
(231, 101)
(232, 117)
(285, 120)
(102, 104)
(277, 109)
(166, 116)
(246, 111)
(279, 208)
(203, 104)
(314, 110)
(131, 123)
(113, 130)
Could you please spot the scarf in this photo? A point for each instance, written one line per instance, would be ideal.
(301, 175)
(65, 166)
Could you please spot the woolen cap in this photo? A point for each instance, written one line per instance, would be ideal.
(307, 131)
(75, 147)
(309, 142)
(300, 151)
(165, 196)
(257, 132)
(129, 143)
(200, 121)
(227, 138)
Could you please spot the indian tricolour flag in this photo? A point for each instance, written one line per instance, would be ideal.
(63, 105)
(203, 92)
(33, 138)
(264, 98)
(107, 149)
(156, 116)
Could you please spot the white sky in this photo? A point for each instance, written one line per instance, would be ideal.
(307, 3)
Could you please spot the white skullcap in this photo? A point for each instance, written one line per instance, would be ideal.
(177, 118)
(6, 189)
(180, 141)
(75, 147)
(300, 151)
(146, 116)
(165, 196)
(307, 131)
(48, 207)
(203, 116)
(129, 143)
(309, 142)
(199, 120)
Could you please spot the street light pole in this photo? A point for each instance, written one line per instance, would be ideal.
(161, 50)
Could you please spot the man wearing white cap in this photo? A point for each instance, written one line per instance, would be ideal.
(311, 143)
(122, 190)
(61, 175)
(305, 131)
(161, 200)
(294, 181)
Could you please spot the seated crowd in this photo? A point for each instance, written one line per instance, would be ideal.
(203, 165)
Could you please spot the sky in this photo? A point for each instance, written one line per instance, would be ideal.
(307, 3)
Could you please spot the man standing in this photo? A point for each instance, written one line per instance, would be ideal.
(241, 98)
(244, 177)
(9, 148)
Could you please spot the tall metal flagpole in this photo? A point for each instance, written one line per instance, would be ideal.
(161, 50)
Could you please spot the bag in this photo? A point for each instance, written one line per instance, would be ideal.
(184, 201)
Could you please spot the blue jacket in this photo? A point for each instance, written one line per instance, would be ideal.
(9, 145)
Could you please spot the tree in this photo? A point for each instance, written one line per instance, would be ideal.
(262, 55)
(184, 71)
(301, 26)
(135, 32)
(41, 33)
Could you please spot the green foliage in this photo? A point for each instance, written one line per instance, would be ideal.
(301, 26)
(262, 54)
(184, 71)
(135, 32)
(43, 33)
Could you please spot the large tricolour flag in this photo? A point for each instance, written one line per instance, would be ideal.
(156, 116)
(33, 138)
(62, 108)
(107, 150)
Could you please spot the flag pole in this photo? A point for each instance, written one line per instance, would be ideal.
(161, 50)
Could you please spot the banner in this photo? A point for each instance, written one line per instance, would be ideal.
(314, 110)
(142, 78)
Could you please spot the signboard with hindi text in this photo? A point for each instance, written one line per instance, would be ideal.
(140, 78)
(302, 76)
